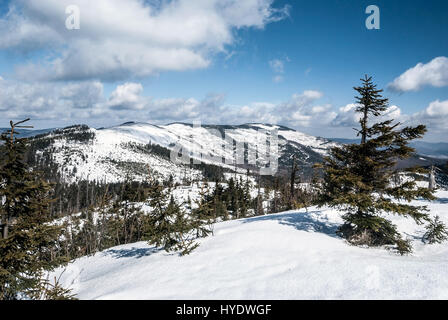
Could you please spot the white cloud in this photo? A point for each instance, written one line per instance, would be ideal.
(84, 102)
(433, 73)
(434, 116)
(319, 109)
(277, 79)
(119, 39)
(437, 108)
(127, 96)
(392, 112)
(309, 95)
(300, 110)
(81, 95)
(127, 103)
(43, 101)
(348, 117)
(277, 65)
(278, 68)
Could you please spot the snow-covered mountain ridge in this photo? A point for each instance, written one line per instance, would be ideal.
(127, 151)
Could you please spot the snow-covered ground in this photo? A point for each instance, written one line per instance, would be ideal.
(290, 255)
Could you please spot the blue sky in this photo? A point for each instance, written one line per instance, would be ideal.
(321, 46)
(330, 38)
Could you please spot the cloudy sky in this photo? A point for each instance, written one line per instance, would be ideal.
(222, 61)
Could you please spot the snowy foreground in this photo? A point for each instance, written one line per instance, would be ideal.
(290, 255)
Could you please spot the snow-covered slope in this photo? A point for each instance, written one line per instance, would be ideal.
(291, 255)
(185, 134)
(82, 153)
(116, 153)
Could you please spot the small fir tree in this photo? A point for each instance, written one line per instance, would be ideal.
(170, 228)
(185, 230)
(161, 219)
(204, 215)
(357, 177)
(436, 232)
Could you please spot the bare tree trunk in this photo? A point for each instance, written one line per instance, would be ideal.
(77, 198)
(87, 193)
(5, 231)
(292, 182)
(432, 179)
(364, 127)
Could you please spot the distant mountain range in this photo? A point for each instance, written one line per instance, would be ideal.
(137, 150)
(27, 133)
(428, 149)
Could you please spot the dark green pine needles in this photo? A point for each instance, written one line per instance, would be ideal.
(170, 227)
(357, 177)
(28, 243)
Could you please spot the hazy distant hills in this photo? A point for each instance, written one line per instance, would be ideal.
(26, 133)
(428, 149)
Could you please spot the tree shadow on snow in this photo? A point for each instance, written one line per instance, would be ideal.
(301, 221)
(132, 252)
(442, 200)
(415, 237)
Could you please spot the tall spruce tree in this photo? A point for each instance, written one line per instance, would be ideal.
(28, 244)
(357, 177)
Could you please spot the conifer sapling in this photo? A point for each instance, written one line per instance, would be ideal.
(357, 177)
